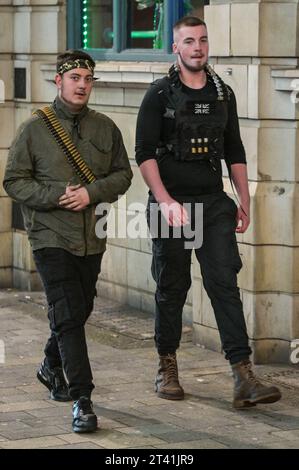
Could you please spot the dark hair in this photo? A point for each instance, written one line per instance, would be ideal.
(188, 21)
(73, 54)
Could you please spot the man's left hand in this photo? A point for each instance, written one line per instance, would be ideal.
(243, 220)
(75, 198)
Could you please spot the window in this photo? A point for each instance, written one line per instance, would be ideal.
(20, 83)
(97, 24)
(194, 7)
(127, 29)
(145, 24)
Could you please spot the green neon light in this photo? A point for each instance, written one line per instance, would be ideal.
(143, 34)
(137, 34)
(85, 32)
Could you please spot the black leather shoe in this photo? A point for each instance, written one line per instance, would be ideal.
(85, 419)
(54, 380)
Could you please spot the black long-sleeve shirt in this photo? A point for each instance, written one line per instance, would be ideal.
(181, 178)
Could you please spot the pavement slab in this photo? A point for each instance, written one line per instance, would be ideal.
(124, 364)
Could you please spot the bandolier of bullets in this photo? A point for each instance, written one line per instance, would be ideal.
(65, 143)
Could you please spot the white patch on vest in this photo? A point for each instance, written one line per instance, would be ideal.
(201, 108)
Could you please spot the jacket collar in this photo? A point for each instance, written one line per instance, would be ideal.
(62, 111)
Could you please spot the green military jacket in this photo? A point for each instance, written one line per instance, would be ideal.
(38, 172)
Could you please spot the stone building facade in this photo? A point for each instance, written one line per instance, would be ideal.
(254, 46)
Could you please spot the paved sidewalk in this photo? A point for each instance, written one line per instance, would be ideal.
(124, 364)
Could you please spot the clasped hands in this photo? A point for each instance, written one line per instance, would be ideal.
(75, 198)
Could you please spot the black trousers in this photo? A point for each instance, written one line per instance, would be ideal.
(219, 262)
(70, 286)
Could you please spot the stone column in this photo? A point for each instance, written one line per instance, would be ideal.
(6, 135)
(254, 47)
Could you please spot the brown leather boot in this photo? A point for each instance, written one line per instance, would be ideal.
(248, 390)
(167, 382)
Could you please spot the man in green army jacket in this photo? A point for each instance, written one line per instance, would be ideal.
(58, 204)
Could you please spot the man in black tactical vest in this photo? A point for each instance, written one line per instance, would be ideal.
(186, 124)
(64, 161)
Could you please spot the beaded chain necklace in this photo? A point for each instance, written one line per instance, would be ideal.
(222, 90)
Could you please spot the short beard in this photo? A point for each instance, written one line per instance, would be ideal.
(192, 68)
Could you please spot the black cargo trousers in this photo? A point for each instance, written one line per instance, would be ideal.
(219, 262)
(70, 286)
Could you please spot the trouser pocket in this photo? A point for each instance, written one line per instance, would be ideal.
(58, 311)
(236, 259)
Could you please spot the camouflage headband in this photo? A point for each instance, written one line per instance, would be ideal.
(75, 64)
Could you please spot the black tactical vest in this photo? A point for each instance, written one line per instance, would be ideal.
(198, 131)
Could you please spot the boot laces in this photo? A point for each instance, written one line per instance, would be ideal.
(251, 377)
(171, 368)
(85, 406)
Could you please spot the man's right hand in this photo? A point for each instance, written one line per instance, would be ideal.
(174, 213)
